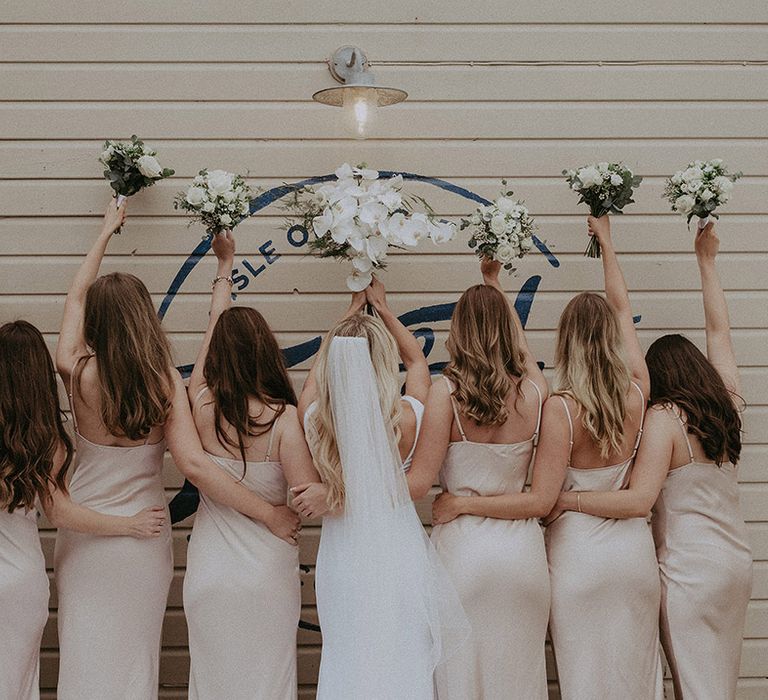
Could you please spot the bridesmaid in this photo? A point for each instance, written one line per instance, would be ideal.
(127, 402)
(242, 594)
(604, 574)
(35, 454)
(481, 425)
(688, 453)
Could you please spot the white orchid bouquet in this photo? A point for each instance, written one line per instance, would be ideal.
(131, 166)
(700, 189)
(606, 188)
(217, 199)
(502, 230)
(359, 216)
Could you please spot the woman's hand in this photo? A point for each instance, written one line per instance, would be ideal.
(284, 523)
(707, 243)
(147, 523)
(600, 228)
(357, 304)
(376, 295)
(490, 270)
(311, 500)
(445, 508)
(554, 514)
(223, 245)
(114, 217)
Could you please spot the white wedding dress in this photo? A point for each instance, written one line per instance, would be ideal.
(387, 611)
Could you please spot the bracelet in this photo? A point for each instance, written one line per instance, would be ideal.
(578, 500)
(228, 279)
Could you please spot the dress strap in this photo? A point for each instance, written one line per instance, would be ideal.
(71, 392)
(535, 437)
(271, 439)
(570, 428)
(455, 409)
(684, 428)
(642, 419)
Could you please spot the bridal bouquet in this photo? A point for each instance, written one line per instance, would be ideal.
(501, 231)
(606, 188)
(130, 167)
(359, 216)
(217, 199)
(700, 189)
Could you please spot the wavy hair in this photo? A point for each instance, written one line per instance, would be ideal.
(31, 424)
(591, 369)
(322, 434)
(243, 362)
(485, 356)
(132, 353)
(681, 375)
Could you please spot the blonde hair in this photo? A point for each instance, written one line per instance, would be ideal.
(322, 435)
(590, 368)
(485, 353)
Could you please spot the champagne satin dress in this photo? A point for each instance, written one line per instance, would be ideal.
(242, 595)
(112, 590)
(706, 577)
(500, 570)
(605, 595)
(23, 604)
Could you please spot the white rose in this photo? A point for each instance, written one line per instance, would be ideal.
(692, 187)
(677, 178)
(475, 219)
(505, 205)
(589, 177)
(498, 224)
(722, 184)
(716, 162)
(106, 154)
(196, 196)
(505, 253)
(526, 243)
(692, 174)
(706, 195)
(208, 207)
(228, 196)
(225, 219)
(616, 179)
(219, 181)
(684, 204)
(149, 167)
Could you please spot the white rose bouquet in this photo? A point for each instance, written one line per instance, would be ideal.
(501, 231)
(359, 216)
(700, 189)
(131, 166)
(606, 188)
(216, 198)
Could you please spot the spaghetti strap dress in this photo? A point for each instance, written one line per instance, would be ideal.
(499, 568)
(604, 621)
(706, 577)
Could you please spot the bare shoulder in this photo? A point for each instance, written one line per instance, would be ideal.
(662, 417)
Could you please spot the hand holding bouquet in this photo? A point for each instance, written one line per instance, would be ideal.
(218, 199)
(359, 216)
(501, 231)
(130, 167)
(700, 189)
(606, 188)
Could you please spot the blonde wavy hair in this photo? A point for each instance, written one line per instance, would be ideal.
(591, 369)
(322, 434)
(486, 359)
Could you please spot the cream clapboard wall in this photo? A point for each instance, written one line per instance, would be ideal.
(496, 89)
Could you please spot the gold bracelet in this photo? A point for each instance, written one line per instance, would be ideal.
(578, 500)
(226, 279)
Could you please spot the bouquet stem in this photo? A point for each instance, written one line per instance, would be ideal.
(702, 223)
(119, 199)
(593, 248)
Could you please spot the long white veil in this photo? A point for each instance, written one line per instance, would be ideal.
(388, 611)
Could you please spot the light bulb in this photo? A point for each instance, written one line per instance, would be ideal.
(360, 107)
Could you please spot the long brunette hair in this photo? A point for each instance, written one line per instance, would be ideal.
(486, 359)
(681, 375)
(31, 425)
(132, 353)
(244, 361)
(590, 368)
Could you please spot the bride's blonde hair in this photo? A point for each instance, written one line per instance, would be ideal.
(322, 434)
(590, 368)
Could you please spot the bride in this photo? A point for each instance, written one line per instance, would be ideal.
(387, 614)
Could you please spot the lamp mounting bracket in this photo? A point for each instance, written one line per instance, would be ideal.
(348, 64)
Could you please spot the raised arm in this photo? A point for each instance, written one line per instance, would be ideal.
(648, 473)
(718, 327)
(309, 390)
(71, 345)
(618, 299)
(417, 379)
(223, 246)
(64, 513)
(433, 442)
(490, 270)
(549, 470)
(201, 470)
